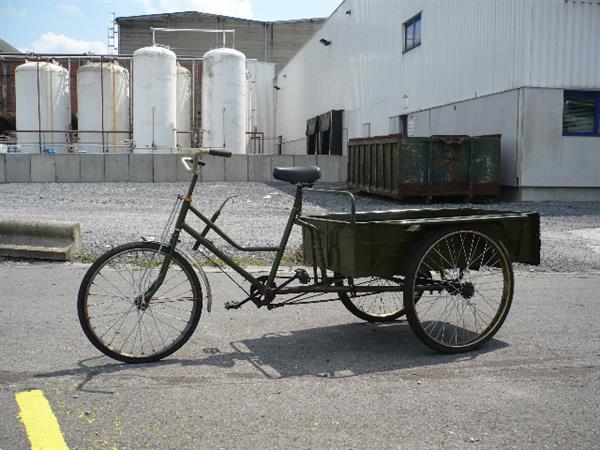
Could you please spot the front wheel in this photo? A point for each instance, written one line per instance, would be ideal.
(466, 298)
(133, 313)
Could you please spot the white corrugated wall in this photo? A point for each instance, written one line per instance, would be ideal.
(260, 103)
(470, 48)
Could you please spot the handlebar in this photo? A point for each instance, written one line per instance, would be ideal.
(191, 163)
(222, 153)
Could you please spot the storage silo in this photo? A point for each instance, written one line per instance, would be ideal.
(103, 105)
(154, 100)
(224, 99)
(184, 107)
(43, 107)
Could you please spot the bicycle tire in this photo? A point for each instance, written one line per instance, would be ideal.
(474, 251)
(374, 307)
(105, 275)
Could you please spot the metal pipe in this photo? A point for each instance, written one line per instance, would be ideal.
(260, 135)
(37, 71)
(4, 86)
(193, 95)
(102, 102)
(71, 98)
(19, 57)
(192, 30)
(153, 146)
(345, 193)
(73, 131)
(131, 99)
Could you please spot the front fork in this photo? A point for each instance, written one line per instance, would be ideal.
(143, 299)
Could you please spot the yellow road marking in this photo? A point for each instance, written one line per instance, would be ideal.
(40, 423)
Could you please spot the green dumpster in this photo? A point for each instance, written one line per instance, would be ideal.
(396, 166)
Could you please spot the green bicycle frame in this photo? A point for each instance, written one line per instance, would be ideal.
(322, 284)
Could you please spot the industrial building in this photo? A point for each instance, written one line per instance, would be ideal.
(274, 42)
(121, 109)
(525, 69)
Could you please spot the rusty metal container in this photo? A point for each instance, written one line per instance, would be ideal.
(396, 166)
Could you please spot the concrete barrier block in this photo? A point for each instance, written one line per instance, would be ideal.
(165, 168)
(18, 168)
(305, 160)
(92, 168)
(141, 168)
(330, 168)
(116, 167)
(259, 168)
(68, 168)
(236, 168)
(40, 239)
(214, 170)
(281, 161)
(2, 168)
(43, 168)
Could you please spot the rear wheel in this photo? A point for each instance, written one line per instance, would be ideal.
(468, 294)
(374, 306)
(130, 316)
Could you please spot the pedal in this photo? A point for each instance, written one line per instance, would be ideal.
(303, 276)
(234, 305)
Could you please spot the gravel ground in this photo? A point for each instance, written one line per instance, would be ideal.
(114, 213)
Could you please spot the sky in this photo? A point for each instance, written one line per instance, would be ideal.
(79, 26)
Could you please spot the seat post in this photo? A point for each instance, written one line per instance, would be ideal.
(298, 198)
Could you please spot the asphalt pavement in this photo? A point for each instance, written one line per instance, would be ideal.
(306, 376)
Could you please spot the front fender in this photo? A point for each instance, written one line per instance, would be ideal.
(203, 277)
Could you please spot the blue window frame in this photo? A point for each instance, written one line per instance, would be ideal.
(581, 113)
(412, 33)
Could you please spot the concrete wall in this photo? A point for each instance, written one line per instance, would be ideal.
(42, 168)
(493, 114)
(536, 158)
(546, 157)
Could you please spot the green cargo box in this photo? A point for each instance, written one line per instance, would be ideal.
(382, 243)
(396, 166)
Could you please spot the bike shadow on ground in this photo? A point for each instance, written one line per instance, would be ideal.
(338, 351)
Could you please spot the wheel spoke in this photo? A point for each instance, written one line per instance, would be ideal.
(476, 282)
(375, 306)
(148, 329)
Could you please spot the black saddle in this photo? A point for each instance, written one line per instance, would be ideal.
(308, 174)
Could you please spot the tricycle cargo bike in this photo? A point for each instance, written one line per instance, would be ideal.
(448, 270)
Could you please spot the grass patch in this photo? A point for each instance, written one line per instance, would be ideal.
(290, 258)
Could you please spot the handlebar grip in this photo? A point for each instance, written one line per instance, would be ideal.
(222, 153)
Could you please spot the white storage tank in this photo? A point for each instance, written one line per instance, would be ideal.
(154, 100)
(103, 104)
(184, 107)
(42, 103)
(224, 99)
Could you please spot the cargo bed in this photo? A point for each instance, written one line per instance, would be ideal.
(381, 243)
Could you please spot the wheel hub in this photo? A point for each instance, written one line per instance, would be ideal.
(141, 303)
(467, 290)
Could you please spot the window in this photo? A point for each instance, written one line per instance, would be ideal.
(412, 33)
(581, 113)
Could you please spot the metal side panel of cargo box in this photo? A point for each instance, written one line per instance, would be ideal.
(383, 243)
